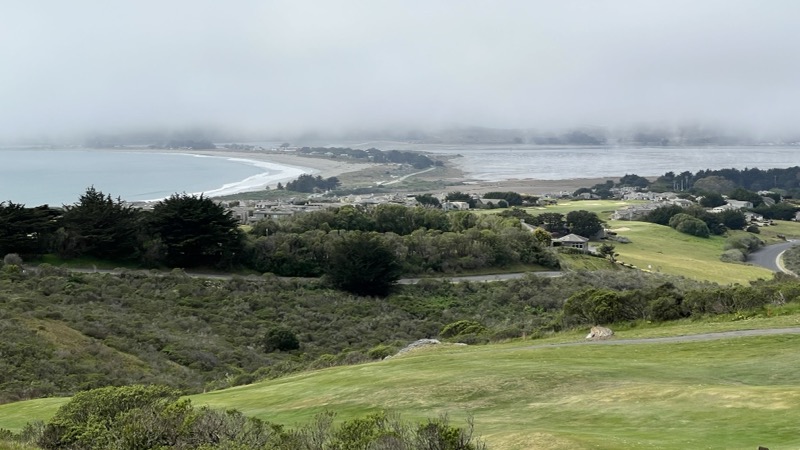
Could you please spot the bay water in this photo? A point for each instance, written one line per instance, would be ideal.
(59, 176)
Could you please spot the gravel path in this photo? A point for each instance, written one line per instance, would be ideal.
(677, 339)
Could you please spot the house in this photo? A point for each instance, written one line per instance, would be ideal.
(739, 204)
(572, 241)
(455, 206)
(271, 214)
(634, 212)
(682, 202)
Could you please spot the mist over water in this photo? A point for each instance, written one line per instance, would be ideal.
(519, 162)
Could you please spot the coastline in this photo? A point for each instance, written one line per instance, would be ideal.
(317, 166)
(278, 168)
(290, 165)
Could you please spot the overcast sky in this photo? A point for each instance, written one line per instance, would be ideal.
(103, 66)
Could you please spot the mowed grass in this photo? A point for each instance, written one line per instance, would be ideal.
(662, 249)
(735, 393)
(731, 393)
(603, 208)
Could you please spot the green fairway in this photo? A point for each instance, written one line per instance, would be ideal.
(736, 392)
(661, 249)
(603, 208)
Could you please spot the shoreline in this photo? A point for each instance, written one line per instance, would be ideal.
(278, 168)
(291, 165)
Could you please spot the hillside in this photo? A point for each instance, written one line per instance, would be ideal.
(64, 332)
(732, 392)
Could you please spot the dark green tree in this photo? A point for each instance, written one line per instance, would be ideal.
(712, 200)
(27, 231)
(744, 195)
(551, 222)
(99, 226)
(362, 264)
(633, 180)
(195, 231)
(732, 219)
(663, 214)
(584, 223)
(512, 198)
(428, 200)
(607, 250)
(778, 211)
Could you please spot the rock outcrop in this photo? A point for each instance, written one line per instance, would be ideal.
(598, 333)
(417, 344)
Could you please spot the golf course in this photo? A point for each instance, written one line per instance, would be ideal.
(725, 380)
(557, 393)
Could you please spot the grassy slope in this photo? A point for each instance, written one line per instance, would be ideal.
(733, 393)
(669, 251)
(603, 208)
(665, 249)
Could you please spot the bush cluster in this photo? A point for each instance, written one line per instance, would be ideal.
(152, 417)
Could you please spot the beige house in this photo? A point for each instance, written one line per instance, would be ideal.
(572, 241)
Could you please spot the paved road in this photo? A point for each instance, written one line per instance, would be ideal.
(386, 183)
(770, 256)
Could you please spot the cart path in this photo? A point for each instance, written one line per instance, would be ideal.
(678, 339)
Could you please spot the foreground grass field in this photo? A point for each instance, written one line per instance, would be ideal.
(731, 393)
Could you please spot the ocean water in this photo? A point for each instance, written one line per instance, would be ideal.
(508, 162)
(58, 177)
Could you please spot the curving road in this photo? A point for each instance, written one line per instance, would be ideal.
(769, 257)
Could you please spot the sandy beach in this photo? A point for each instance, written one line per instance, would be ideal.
(325, 168)
(317, 166)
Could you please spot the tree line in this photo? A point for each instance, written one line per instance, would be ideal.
(352, 246)
(733, 183)
(417, 160)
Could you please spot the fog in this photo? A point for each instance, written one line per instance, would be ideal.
(276, 68)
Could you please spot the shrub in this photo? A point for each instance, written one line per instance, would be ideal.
(363, 264)
(747, 243)
(665, 308)
(595, 306)
(87, 420)
(689, 225)
(733, 255)
(381, 351)
(280, 339)
(12, 259)
(462, 327)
